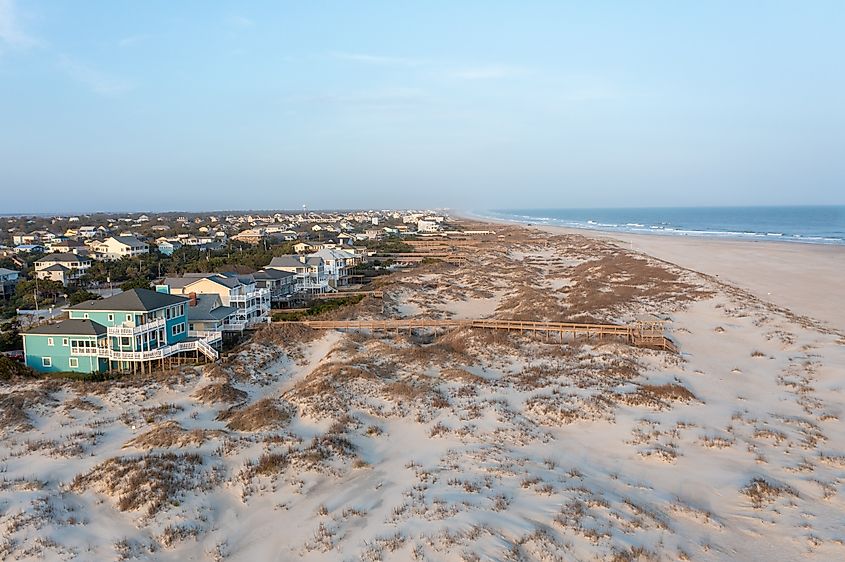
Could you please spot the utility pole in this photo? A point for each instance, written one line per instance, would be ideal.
(35, 294)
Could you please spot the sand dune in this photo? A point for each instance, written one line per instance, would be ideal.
(468, 445)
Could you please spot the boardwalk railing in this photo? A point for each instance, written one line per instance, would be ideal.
(342, 294)
(641, 334)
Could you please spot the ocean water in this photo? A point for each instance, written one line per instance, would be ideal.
(809, 225)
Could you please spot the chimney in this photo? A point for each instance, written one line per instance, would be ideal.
(192, 299)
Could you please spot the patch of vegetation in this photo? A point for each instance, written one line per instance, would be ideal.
(317, 308)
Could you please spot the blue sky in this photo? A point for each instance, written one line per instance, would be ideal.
(196, 105)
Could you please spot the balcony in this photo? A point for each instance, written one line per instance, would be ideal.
(131, 331)
(201, 345)
(259, 294)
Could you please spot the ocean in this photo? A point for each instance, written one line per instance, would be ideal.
(800, 224)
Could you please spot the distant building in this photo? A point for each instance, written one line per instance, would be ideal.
(338, 265)
(66, 268)
(281, 284)
(117, 247)
(168, 247)
(8, 280)
(310, 272)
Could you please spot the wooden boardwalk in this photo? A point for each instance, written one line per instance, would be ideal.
(343, 294)
(414, 257)
(642, 334)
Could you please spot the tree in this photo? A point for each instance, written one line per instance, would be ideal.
(137, 283)
(81, 295)
(47, 289)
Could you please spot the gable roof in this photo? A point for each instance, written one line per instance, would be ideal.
(208, 307)
(262, 274)
(286, 261)
(135, 300)
(56, 267)
(127, 240)
(70, 328)
(62, 256)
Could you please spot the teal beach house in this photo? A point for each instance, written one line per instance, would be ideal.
(127, 332)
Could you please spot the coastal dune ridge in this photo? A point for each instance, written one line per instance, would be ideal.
(464, 444)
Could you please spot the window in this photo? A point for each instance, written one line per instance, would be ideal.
(124, 341)
(129, 317)
(73, 362)
(181, 310)
(167, 313)
(178, 329)
(50, 341)
(64, 342)
(46, 361)
(111, 317)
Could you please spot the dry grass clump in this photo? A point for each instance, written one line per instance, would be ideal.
(461, 375)
(601, 288)
(172, 434)
(267, 413)
(81, 403)
(151, 481)
(15, 405)
(266, 465)
(282, 333)
(153, 413)
(220, 392)
(658, 396)
(762, 492)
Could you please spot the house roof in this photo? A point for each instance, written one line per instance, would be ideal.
(286, 261)
(71, 328)
(4, 271)
(56, 267)
(208, 308)
(294, 261)
(135, 300)
(62, 256)
(129, 240)
(262, 274)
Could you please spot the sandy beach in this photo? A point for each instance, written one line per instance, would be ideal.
(808, 279)
(468, 444)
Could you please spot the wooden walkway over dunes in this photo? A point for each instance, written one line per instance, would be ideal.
(343, 294)
(415, 257)
(649, 334)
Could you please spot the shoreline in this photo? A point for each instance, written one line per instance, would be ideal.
(808, 279)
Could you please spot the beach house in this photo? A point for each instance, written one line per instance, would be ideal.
(8, 281)
(66, 267)
(251, 303)
(338, 265)
(281, 284)
(309, 272)
(117, 247)
(126, 332)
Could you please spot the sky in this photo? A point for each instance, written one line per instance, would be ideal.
(198, 105)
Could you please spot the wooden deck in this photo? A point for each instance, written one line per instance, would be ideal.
(642, 334)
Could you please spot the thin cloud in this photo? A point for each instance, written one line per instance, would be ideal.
(132, 40)
(92, 78)
(383, 97)
(11, 33)
(241, 22)
(489, 72)
(381, 60)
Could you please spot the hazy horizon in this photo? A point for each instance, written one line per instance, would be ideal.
(195, 106)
